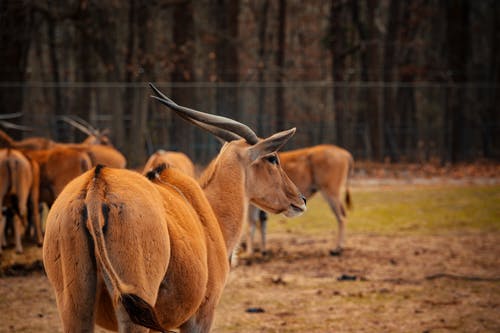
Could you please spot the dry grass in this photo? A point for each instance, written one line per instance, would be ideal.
(406, 209)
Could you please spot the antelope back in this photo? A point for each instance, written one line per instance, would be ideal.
(172, 159)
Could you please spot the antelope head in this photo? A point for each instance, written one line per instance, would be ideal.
(95, 136)
(99, 138)
(265, 176)
(266, 184)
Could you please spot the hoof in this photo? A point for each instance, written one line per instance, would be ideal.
(336, 252)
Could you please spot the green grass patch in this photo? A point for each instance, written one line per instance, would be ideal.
(405, 209)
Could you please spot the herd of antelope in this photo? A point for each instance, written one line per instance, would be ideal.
(133, 251)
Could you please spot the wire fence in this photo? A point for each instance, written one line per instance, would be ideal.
(374, 120)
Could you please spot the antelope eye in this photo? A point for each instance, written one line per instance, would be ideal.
(272, 159)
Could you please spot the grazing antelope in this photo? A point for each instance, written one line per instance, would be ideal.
(172, 159)
(18, 189)
(322, 168)
(127, 252)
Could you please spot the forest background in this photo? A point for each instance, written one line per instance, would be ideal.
(388, 80)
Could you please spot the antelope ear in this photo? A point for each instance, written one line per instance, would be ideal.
(271, 144)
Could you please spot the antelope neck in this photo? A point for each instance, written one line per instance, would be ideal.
(227, 196)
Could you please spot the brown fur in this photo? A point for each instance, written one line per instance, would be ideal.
(58, 166)
(61, 162)
(167, 242)
(65, 161)
(16, 190)
(107, 155)
(55, 164)
(172, 159)
(322, 168)
(99, 148)
(99, 154)
(102, 151)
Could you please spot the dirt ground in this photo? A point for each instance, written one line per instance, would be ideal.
(442, 283)
(447, 282)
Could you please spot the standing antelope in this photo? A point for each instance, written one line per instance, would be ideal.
(127, 252)
(18, 189)
(322, 168)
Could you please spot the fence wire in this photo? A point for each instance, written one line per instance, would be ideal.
(374, 120)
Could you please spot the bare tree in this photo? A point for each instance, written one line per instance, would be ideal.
(183, 38)
(457, 42)
(389, 68)
(226, 13)
(261, 65)
(339, 52)
(280, 65)
(15, 37)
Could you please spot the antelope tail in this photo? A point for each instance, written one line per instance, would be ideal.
(348, 200)
(139, 311)
(13, 174)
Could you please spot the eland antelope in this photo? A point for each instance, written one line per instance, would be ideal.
(129, 253)
(19, 178)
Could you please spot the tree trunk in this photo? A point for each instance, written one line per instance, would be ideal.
(56, 76)
(142, 103)
(102, 29)
(129, 58)
(280, 67)
(135, 147)
(491, 121)
(226, 13)
(337, 45)
(405, 95)
(261, 66)
(388, 76)
(86, 71)
(364, 96)
(15, 37)
(375, 110)
(457, 41)
(183, 35)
